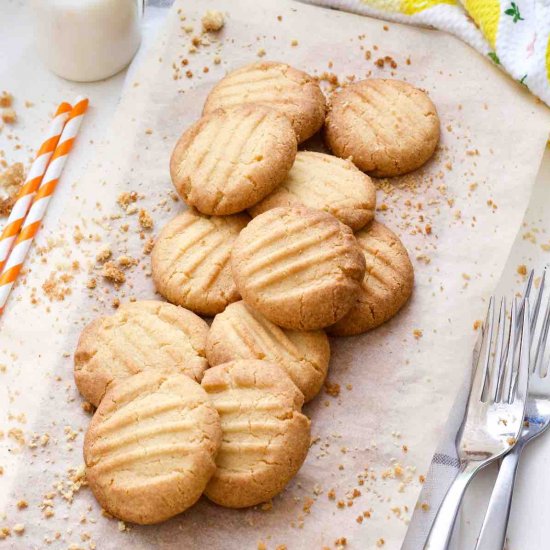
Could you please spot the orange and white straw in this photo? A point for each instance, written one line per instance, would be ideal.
(33, 181)
(41, 200)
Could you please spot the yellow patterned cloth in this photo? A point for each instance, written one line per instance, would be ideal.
(514, 34)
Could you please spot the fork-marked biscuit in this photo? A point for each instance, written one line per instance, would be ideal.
(232, 158)
(140, 336)
(276, 85)
(327, 183)
(150, 447)
(387, 285)
(265, 436)
(386, 127)
(191, 261)
(301, 268)
(241, 332)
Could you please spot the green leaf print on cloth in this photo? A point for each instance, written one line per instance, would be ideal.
(514, 12)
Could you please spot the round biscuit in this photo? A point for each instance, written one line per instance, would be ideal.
(301, 268)
(143, 335)
(232, 158)
(327, 183)
(386, 127)
(150, 448)
(276, 85)
(241, 332)
(265, 436)
(190, 261)
(387, 285)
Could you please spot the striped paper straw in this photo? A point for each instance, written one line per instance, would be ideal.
(41, 200)
(34, 178)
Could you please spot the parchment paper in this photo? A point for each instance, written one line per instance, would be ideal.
(373, 440)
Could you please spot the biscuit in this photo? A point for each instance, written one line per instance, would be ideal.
(190, 261)
(240, 332)
(140, 336)
(276, 85)
(387, 285)
(265, 436)
(301, 268)
(386, 127)
(230, 159)
(327, 183)
(150, 448)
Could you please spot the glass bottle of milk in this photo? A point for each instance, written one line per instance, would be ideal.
(87, 40)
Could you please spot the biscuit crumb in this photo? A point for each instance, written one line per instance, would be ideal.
(417, 333)
(6, 100)
(145, 219)
(103, 255)
(22, 504)
(522, 270)
(294, 43)
(11, 181)
(112, 273)
(425, 506)
(212, 21)
(332, 388)
(9, 116)
(19, 528)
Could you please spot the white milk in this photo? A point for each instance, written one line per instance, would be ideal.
(86, 40)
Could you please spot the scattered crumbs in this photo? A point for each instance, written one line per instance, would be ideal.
(217, 60)
(260, 52)
(417, 333)
(332, 388)
(294, 42)
(9, 116)
(212, 21)
(341, 542)
(148, 247)
(112, 273)
(477, 324)
(522, 270)
(104, 254)
(262, 546)
(19, 528)
(425, 506)
(380, 542)
(122, 526)
(11, 181)
(6, 100)
(511, 441)
(145, 219)
(22, 504)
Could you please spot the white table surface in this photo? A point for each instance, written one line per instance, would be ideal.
(25, 76)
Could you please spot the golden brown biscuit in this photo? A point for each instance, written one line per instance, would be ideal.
(232, 158)
(190, 261)
(387, 285)
(276, 85)
(140, 336)
(301, 268)
(241, 332)
(327, 183)
(150, 447)
(265, 436)
(386, 127)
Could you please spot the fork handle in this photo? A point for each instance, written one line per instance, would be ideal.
(442, 528)
(495, 523)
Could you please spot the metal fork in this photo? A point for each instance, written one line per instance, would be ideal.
(537, 419)
(494, 415)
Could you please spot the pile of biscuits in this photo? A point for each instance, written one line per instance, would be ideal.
(279, 246)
